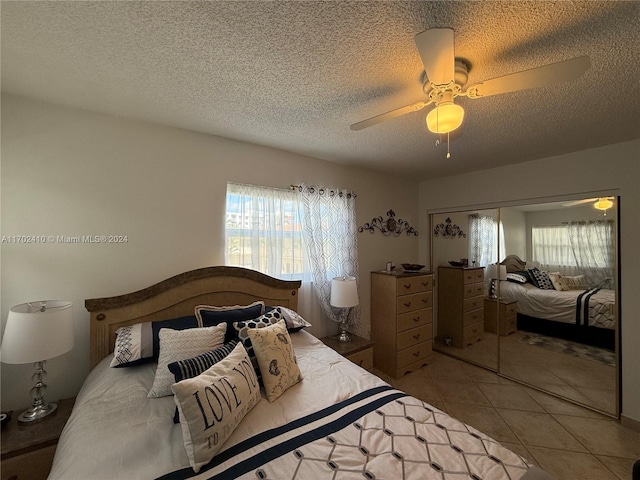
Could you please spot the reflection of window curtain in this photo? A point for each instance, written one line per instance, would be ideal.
(551, 248)
(593, 247)
(329, 220)
(483, 242)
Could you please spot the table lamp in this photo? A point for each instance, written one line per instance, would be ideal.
(344, 294)
(492, 273)
(36, 332)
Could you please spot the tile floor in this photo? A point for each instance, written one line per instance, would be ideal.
(568, 441)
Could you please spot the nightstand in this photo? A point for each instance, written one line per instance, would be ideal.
(506, 312)
(27, 450)
(359, 350)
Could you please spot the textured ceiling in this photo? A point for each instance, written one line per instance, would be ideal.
(294, 75)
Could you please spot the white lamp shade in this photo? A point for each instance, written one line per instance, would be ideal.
(344, 292)
(493, 273)
(37, 331)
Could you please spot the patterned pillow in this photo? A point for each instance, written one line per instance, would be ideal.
(206, 425)
(558, 281)
(209, 315)
(139, 343)
(179, 345)
(517, 278)
(274, 351)
(242, 330)
(576, 282)
(192, 367)
(540, 279)
(294, 321)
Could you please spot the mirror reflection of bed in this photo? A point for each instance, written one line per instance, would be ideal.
(557, 334)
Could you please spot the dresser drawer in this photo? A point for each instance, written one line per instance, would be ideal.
(407, 285)
(473, 275)
(413, 354)
(413, 319)
(416, 301)
(363, 358)
(511, 309)
(474, 316)
(414, 336)
(472, 303)
(471, 331)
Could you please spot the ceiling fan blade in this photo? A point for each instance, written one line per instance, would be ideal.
(579, 202)
(535, 77)
(435, 47)
(414, 107)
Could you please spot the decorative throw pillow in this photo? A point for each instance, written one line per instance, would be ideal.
(517, 278)
(212, 405)
(558, 281)
(192, 367)
(576, 282)
(209, 315)
(274, 351)
(540, 279)
(138, 343)
(294, 321)
(242, 333)
(179, 345)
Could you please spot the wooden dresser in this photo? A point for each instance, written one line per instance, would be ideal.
(504, 315)
(460, 305)
(401, 320)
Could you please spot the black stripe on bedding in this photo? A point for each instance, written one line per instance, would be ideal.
(586, 305)
(579, 307)
(274, 432)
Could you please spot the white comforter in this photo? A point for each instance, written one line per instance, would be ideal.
(116, 432)
(560, 306)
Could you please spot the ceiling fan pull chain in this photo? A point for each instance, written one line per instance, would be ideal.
(448, 154)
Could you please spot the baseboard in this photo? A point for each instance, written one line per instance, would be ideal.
(631, 423)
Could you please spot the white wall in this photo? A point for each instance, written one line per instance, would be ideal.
(72, 172)
(614, 167)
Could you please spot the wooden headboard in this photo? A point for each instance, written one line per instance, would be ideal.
(513, 263)
(178, 296)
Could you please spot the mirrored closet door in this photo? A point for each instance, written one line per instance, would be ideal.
(464, 245)
(537, 299)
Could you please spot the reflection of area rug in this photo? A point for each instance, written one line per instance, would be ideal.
(587, 352)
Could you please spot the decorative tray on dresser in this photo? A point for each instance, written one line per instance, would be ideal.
(401, 320)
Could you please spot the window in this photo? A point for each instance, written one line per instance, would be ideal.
(483, 242)
(551, 247)
(263, 231)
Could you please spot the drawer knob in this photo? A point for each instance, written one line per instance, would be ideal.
(425, 300)
(425, 284)
(407, 286)
(360, 363)
(407, 304)
(416, 319)
(415, 354)
(417, 336)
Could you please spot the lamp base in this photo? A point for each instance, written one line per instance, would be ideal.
(344, 337)
(36, 414)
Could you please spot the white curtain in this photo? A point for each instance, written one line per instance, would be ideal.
(483, 241)
(330, 237)
(593, 247)
(264, 231)
(551, 248)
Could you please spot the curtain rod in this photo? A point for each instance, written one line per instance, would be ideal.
(322, 189)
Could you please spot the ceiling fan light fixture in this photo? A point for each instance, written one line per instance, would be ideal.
(603, 204)
(445, 118)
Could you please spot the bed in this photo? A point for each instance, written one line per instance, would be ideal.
(339, 421)
(586, 315)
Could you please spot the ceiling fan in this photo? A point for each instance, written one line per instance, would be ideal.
(446, 77)
(601, 203)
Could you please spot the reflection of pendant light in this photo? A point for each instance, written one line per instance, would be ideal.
(603, 204)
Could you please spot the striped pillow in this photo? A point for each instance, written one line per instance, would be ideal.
(192, 367)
